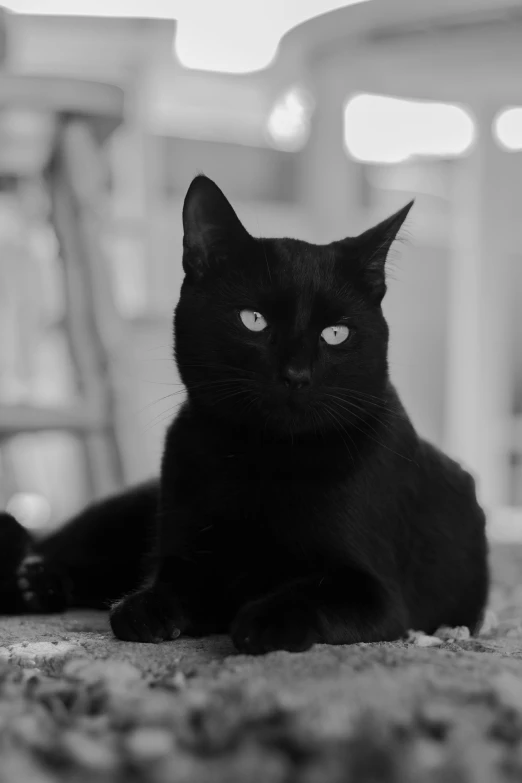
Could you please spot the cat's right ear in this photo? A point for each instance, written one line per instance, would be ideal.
(211, 228)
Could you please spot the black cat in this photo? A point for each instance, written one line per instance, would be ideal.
(296, 502)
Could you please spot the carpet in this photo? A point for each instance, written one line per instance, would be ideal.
(77, 705)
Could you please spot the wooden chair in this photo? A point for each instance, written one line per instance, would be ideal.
(77, 118)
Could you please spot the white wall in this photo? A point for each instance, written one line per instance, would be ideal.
(415, 307)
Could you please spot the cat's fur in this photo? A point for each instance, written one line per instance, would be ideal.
(296, 504)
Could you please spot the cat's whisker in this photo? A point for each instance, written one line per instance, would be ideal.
(340, 429)
(363, 399)
(164, 416)
(345, 430)
(380, 443)
(225, 381)
(379, 406)
(357, 391)
(219, 367)
(319, 425)
(202, 384)
(379, 412)
(226, 397)
(266, 259)
(249, 404)
(169, 411)
(160, 399)
(164, 383)
(349, 406)
(312, 416)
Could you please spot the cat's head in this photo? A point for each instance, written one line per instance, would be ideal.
(279, 333)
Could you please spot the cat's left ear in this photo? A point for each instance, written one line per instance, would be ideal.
(211, 228)
(370, 249)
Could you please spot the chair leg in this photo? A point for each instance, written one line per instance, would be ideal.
(77, 192)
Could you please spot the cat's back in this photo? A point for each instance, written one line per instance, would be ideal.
(445, 485)
(444, 557)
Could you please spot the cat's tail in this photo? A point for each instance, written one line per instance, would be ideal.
(17, 595)
(91, 560)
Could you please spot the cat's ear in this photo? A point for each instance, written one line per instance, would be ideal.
(370, 249)
(210, 226)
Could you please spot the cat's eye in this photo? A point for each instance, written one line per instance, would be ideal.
(253, 320)
(335, 335)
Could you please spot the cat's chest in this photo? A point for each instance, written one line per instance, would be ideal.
(257, 526)
(243, 487)
(269, 515)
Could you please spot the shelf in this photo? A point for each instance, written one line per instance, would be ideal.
(17, 419)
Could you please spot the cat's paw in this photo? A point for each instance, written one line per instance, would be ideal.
(275, 623)
(148, 615)
(41, 589)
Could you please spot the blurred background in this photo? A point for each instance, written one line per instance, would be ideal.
(317, 118)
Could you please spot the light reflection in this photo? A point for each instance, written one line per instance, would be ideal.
(507, 128)
(382, 129)
(288, 125)
(30, 509)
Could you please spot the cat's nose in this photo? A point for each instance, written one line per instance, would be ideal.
(296, 377)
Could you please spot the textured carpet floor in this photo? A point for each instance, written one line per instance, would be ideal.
(77, 705)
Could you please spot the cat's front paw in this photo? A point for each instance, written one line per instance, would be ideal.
(275, 623)
(149, 615)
